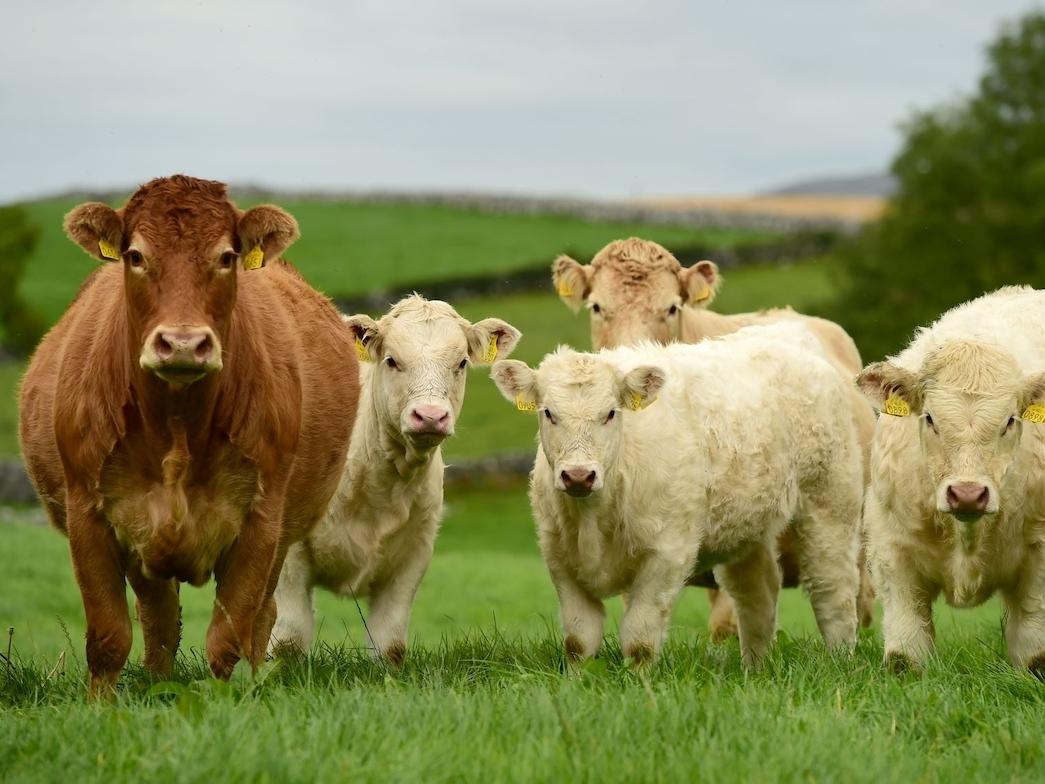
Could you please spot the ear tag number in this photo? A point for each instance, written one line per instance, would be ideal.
(636, 401)
(1035, 413)
(254, 259)
(362, 351)
(108, 250)
(564, 289)
(895, 406)
(491, 352)
(525, 405)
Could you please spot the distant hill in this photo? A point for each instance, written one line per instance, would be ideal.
(871, 184)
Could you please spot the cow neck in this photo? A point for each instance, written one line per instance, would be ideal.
(382, 440)
(183, 415)
(701, 323)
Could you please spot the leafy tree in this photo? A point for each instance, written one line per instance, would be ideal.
(969, 214)
(20, 328)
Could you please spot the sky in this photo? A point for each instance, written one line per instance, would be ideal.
(557, 97)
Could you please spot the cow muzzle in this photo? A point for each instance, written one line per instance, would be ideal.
(967, 501)
(181, 354)
(579, 481)
(428, 423)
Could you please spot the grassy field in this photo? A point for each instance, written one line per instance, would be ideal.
(488, 423)
(348, 248)
(485, 695)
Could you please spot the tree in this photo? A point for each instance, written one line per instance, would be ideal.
(969, 214)
(20, 328)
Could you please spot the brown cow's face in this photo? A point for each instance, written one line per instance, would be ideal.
(181, 242)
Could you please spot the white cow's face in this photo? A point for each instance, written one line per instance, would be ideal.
(422, 350)
(968, 399)
(578, 399)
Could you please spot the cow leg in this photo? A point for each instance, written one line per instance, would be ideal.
(159, 612)
(1025, 617)
(246, 580)
(650, 599)
(722, 620)
(827, 563)
(582, 616)
(391, 601)
(99, 563)
(754, 583)
(865, 599)
(295, 617)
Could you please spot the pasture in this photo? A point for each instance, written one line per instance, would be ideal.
(485, 692)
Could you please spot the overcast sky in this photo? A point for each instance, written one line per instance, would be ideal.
(547, 96)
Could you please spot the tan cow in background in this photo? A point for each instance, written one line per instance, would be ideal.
(636, 290)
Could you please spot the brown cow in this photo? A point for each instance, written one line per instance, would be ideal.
(636, 290)
(186, 416)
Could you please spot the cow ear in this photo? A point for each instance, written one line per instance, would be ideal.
(572, 281)
(640, 386)
(489, 339)
(97, 228)
(891, 388)
(367, 336)
(264, 233)
(699, 284)
(517, 382)
(1032, 398)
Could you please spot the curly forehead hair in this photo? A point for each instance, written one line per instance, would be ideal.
(970, 366)
(635, 258)
(180, 206)
(417, 309)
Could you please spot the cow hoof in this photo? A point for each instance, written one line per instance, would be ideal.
(639, 654)
(1036, 666)
(574, 648)
(900, 663)
(395, 654)
(723, 631)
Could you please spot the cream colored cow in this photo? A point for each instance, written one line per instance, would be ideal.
(636, 290)
(656, 460)
(377, 537)
(956, 504)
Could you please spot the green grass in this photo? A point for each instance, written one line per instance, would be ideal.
(485, 696)
(348, 248)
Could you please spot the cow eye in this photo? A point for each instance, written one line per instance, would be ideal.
(595, 308)
(135, 259)
(462, 364)
(673, 310)
(228, 259)
(929, 422)
(1010, 424)
(391, 363)
(549, 416)
(609, 416)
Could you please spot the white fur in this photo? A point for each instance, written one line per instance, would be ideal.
(750, 433)
(971, 371)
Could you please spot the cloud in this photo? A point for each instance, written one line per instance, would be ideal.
(577, 97)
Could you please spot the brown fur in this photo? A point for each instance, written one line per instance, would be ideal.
(634, 282)
(160, 483)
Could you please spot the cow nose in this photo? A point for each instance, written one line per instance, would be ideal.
(967, 498)
(184, 346)
(433, 420)
(578, 481)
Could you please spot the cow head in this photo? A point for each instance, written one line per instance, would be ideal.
(183, 246)
(634, 291)
(968, 399)
(421, 352)
(578, 399)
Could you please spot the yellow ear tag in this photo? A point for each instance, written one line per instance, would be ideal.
(895, 406)
(361, 351)
(636, 401)
(254, 259)
(108, 250)
(704, 294)
(1035, 413)
(525, 405)
(564, 289)
(491, 352)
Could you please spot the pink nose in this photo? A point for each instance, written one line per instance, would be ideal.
(967, 498)
(578, 481)
(184, 346)
(433, 420)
